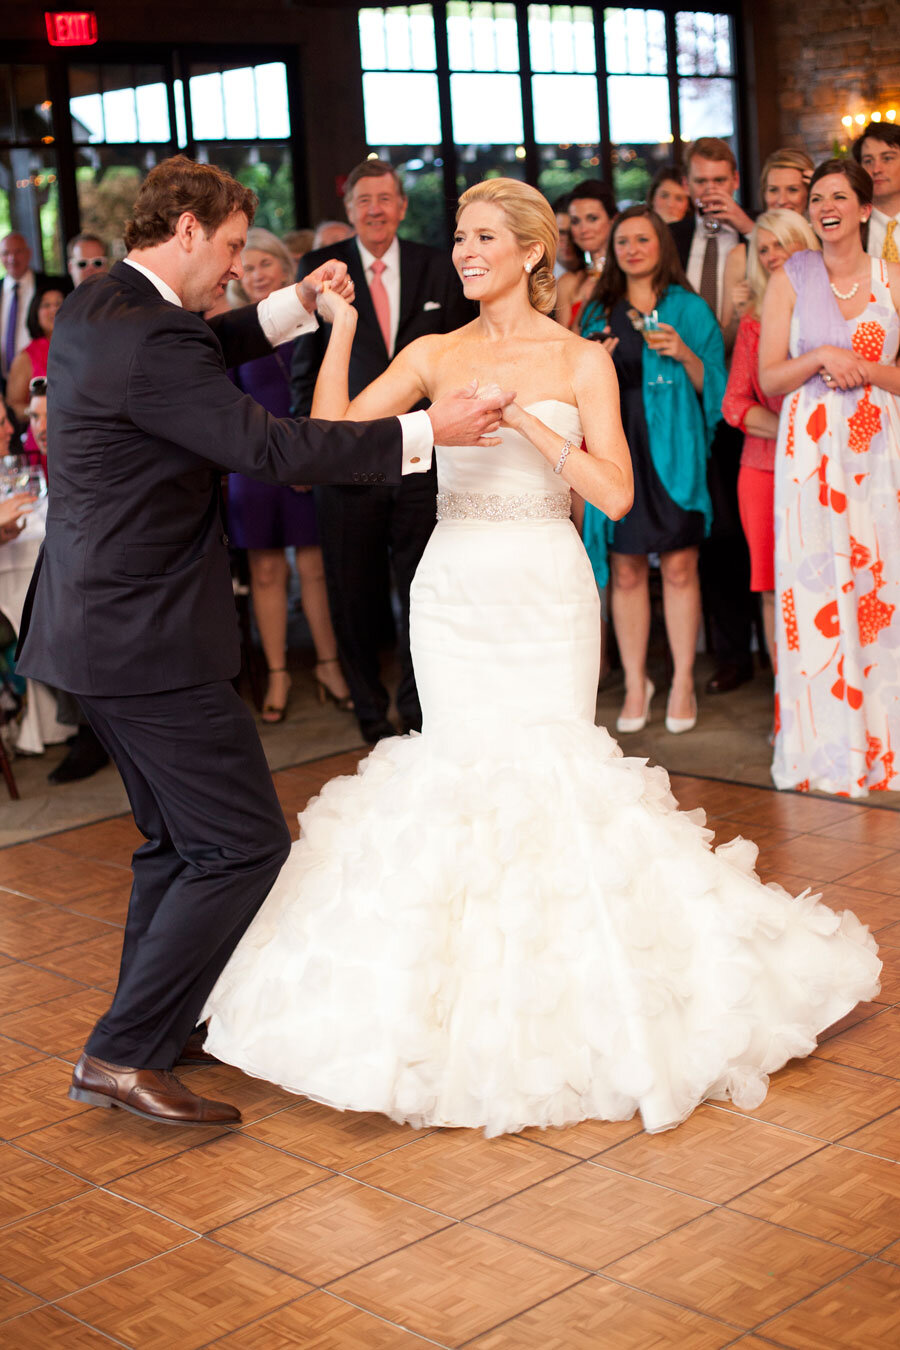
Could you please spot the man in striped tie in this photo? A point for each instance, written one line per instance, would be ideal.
(878, 151)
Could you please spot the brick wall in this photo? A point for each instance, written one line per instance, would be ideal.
(831, 57)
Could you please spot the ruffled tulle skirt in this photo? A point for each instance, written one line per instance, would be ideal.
(514, 926)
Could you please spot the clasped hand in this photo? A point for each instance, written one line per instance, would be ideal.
(13, 511)
(330, 279)
(842, 369)
(470, 416)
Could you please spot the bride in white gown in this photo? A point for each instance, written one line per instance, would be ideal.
(502, 922)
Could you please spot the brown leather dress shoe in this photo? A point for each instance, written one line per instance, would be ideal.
(154, 1094)
(193, 1054)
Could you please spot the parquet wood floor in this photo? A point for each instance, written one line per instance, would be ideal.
(774, 1230)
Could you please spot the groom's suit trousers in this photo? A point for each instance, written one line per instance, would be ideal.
(202, 794)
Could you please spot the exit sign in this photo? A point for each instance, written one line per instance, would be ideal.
(78, 29)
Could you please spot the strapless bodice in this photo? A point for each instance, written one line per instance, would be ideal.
(514, 468)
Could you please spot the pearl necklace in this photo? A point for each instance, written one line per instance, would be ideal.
(845, 295)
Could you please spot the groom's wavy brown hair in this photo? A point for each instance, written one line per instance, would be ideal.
(180, 184)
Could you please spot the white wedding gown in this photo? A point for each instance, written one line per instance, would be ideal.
(503, 922)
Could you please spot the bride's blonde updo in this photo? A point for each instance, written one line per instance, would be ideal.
(530, 217)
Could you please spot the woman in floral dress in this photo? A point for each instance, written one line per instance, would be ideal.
(830, 333)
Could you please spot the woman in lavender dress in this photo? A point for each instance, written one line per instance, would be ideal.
(266, 519)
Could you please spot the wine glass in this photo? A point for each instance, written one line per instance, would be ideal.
(14, 474)
(650, 333)
(711, 224)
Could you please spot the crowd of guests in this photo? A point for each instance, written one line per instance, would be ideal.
(755, 360)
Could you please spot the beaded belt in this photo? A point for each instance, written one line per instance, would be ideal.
(494, 506)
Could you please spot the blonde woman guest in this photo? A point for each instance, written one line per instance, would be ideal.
(783, 186)
(776, 235)
(502, 922)
(592, 209)
(829, 342)
(266, 518)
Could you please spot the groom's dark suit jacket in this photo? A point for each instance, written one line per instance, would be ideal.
(132, 592)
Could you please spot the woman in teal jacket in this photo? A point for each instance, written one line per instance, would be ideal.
(669, 356)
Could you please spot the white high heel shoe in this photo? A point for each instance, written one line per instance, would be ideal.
(624, 725)
(677, 725)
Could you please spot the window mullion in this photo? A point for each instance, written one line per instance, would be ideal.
(603, 96)
(531, 154)
(672, 73)
(448, 148)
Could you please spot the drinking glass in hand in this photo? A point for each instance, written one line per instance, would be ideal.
(653, 337)
(711, 224)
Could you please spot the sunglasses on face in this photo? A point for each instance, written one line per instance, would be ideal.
(38, 386)
(82, 263)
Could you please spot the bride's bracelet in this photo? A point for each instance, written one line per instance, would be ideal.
(564, 455)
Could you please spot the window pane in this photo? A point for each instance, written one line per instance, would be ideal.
(207, 113)
(180, 119)
(86, 112)
(706, 108)
(565, 109)
(395, 103)
(561, 38)
(704, 44)
(272, 100)
(639, 109)
(420, 170)
(266, 168)
(400, 37)
(153, 113)
(482, 37)
(635, 41)
(239, 99)
(29, 203)
(487, 109)
(120, 115)
(25, 108)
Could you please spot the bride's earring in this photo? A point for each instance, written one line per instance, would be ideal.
(528, 267)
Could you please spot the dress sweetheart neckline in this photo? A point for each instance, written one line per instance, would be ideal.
(538, 403)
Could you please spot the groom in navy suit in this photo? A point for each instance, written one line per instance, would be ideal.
(131, 605)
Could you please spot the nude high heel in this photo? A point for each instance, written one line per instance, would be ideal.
(677, 725)
(624, 725)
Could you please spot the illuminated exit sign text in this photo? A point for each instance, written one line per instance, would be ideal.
(78, 29)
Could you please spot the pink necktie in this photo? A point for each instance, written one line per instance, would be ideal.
(381, 302)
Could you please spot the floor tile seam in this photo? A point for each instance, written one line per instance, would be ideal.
(394, 1195)
(71, 1114)
(58, 1204)
(60, 1299)
(60, 906)
(22, 1290)
(90, 1326)
(758, 1329)
(69, 829)
(245, 1126)
(595, 1270)
(42, 1003)
(574, 1162)
(207, 1232)
(896, 1076)
(380, 1317)
(672, 1302)
(99, 1185)
(332, 1279)
(824, 1144)
(799, 1232)
(717, 1203)
(44, 1209)
(821, 1138)
(868, 1124)
(506, 1321)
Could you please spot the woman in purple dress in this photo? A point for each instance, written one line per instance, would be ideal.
(266, 519)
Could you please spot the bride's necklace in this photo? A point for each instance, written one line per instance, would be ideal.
(845, 295)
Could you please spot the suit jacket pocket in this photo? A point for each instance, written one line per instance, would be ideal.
(156, 560)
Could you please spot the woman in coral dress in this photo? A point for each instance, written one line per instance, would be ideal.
(830, 334)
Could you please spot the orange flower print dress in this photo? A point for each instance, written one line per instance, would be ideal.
(837, 569)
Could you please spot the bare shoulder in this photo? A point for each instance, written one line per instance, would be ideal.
(588, 360)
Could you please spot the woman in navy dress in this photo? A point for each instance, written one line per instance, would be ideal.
(266, 518)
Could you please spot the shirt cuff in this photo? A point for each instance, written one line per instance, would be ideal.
(282, 317)
(418, 442)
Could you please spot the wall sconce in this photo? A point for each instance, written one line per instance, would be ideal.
(862, 119)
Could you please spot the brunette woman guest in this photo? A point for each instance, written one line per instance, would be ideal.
(31, 362)
(783, 186)
(592, 208)
(776, 235)
(266, 519)
(671, 396)
(829, 341)
(668, 194)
